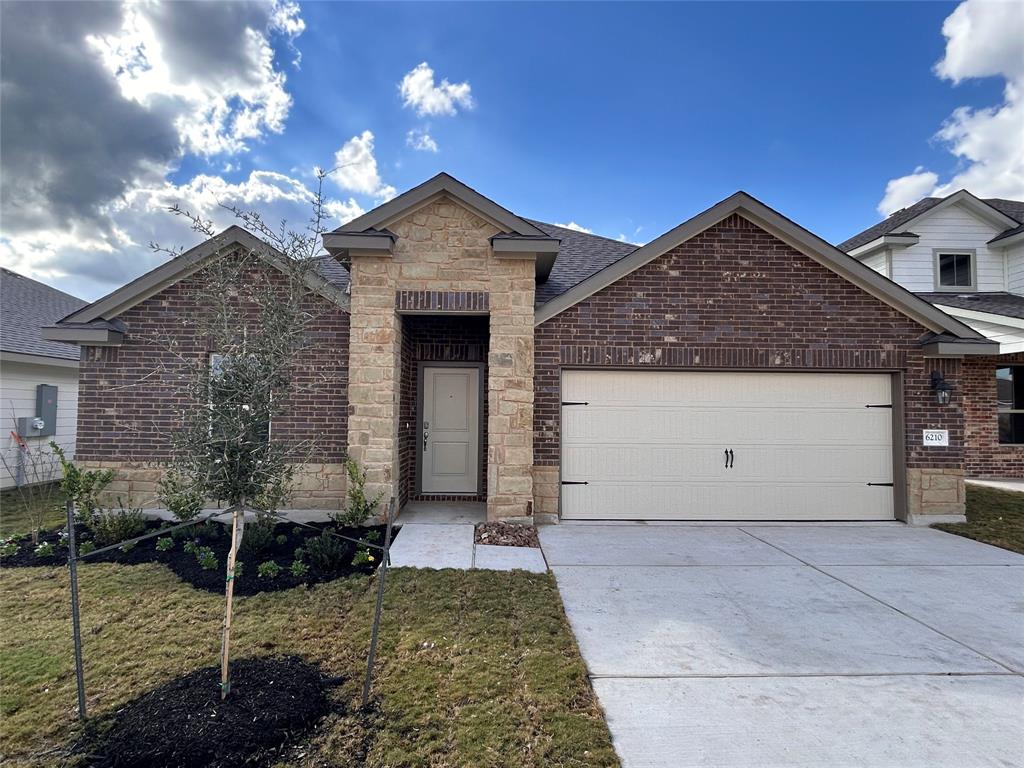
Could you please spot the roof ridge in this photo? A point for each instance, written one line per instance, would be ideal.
(578, 232)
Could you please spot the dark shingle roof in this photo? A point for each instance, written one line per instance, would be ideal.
(25, 307)
(579, 256)
(333, 272)
(1012, 208)
(996, 303)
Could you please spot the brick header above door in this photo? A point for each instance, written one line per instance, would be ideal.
(465, 302)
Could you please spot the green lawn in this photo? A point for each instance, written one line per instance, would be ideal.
(20, 508)
(477, 668)
(993, 516)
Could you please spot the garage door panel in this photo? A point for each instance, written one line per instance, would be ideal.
(597, 463)
(703, 425)
(651, 445)
(724, 389)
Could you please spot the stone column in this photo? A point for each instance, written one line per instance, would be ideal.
(374, 359)
(510, 396)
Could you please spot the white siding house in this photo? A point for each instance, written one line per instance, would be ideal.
(26, 362)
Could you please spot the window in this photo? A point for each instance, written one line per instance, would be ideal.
(1010, 404)
(954, 270)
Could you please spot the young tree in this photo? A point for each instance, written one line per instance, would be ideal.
(241, 377)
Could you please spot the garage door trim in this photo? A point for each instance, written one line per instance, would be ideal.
(898, 432)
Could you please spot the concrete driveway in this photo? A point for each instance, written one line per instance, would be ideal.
(860, 645)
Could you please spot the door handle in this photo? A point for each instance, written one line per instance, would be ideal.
(426, 433)
(726, 458)
(732, 459)
(729, 458)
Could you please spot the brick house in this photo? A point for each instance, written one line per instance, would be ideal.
(965, 255)
(737, 367)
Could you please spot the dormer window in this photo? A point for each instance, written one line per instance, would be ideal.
(955, 271)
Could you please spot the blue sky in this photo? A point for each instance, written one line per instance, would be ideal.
(623, 118)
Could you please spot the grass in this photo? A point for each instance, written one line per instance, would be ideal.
(993, 516)
(21, 508)
(476, 668)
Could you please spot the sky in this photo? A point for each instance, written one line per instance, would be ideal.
(622, 119)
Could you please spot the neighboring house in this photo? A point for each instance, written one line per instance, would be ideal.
(737, 367)
(37, 378)
(966, 256)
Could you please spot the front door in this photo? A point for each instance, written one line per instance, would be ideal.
(450, 430)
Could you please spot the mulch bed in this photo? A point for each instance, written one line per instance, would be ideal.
(507, 535)
(272, 703)
(217, 537)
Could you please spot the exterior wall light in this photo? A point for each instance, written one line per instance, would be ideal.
(943, 389)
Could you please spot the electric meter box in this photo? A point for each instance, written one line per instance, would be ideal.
(44, 423)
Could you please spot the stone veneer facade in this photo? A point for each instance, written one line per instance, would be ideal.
(441, 251)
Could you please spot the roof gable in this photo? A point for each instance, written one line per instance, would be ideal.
(1004, 214)
(442, 184)
(113, 304)
(786, 230)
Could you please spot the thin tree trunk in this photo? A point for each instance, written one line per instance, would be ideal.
(237, 526)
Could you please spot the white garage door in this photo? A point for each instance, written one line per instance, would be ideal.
(726, 446)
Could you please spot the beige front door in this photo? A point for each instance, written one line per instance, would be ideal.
(450, 430)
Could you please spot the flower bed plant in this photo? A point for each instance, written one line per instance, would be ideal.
(290, 556)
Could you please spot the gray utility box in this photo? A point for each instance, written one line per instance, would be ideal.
(44, 423)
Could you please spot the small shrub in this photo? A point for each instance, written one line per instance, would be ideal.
(210, 530)
(206, 558)
(300, 553)
(192, 547)
(86, 547)
(299, 569)
(164, 544)
(268, 570)
(258, 535)
(239, 568)
(83, 487)
(359, 507)
(8, 547)
(44, 550)
(111, 526)
(180, 495)
(297, 530)
(372, 536)
(362, 557)
(326, 552)
(281, 540)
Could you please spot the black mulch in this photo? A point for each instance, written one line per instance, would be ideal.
(217, 537)
(272, 703)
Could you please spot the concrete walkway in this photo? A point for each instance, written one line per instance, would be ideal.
(802, 645)
(1003, 485)
(442, 535)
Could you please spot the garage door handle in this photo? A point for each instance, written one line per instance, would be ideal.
(729, 458)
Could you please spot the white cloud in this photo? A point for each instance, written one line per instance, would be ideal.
(211, 66)
(983, 39)
(907, 190)
(576, 228)
(419, 139)
(420, 92)
(355, 169)
(88, 262)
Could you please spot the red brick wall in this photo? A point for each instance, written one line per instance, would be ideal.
(129, 396)
(435, 338)
(986, 457)
(734, 296)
